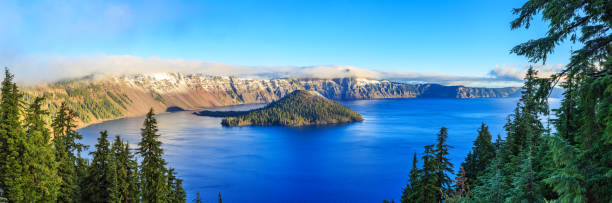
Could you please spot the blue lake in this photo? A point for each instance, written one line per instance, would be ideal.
(361, 162)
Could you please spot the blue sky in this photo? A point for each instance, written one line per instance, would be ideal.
(459, 38)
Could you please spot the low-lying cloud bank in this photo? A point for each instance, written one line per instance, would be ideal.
(36, 69)
(513, 73)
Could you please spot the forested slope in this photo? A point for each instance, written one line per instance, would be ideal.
(299, 108)
(96, 99)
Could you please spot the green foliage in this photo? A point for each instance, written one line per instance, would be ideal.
(413, 191)
(581, 147)
(297, 109)
(153, 172)
(573, 164)
(127, 171)
(12, 140)
(38, 167)
(87, 100)
(429, 177)
(65, 142)
(432, 183)
(492, 187)
(479, 158)
(117, 100)
(176, 193)
(42, 181)
(101, 180)
(443, 164)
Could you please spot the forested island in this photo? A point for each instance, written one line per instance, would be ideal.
(299, 108)
(131, 95)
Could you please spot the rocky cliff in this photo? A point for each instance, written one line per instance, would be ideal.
(98, 99)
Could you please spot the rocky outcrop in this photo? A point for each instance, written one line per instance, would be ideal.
(132, 95)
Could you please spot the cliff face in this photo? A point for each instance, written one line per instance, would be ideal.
(96, 100)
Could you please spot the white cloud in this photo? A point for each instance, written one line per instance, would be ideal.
(517, 74)
(49, 68)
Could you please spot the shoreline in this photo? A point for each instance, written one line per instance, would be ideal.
(205, 108)
(81, 126)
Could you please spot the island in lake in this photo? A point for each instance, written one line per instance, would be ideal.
(299, 108)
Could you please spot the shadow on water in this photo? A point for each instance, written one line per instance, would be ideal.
(174, 109)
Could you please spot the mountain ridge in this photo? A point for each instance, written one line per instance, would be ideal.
(96, 99)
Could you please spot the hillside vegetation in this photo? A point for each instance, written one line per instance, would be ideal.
(90, 102)
(299, 108)
(96, 99)
(41, 161)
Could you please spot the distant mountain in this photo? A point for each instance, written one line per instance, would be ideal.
(299, 108)
(96, 99)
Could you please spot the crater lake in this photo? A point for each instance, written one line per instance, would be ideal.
(360, 162)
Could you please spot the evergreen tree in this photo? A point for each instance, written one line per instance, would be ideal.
(127, 171)
(220, 200)
(524, 183)
(581, 147)
(176, 193)
(413, 191)
(429, 176)
(197, 199)
(153, 178)
(461, 184)
(491, 187)
(442, 165)
(70, 166)
(82, 172)
(102, 183)
(180, 193)
(42, 181)
(478, 159)
(12, 139)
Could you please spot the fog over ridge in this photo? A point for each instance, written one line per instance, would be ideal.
(49, 68)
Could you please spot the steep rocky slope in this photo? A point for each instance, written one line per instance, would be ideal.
(98, 99)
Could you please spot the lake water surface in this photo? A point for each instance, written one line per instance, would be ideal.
(361, 162)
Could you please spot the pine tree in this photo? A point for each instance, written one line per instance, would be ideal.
(581, 147)
(70, 166)
(102, 185)
(42, 182)
(153, 178)
(442, 164)
(127, 171)
(478, 159)
(82, 172)
(197, 199)
(413, 191)
(524, 183)
(461, 183)
(491, 187)
(176, 193)
(220, 200)
(524, 140)
(12, 138)
(180, 193)
(429, 177)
